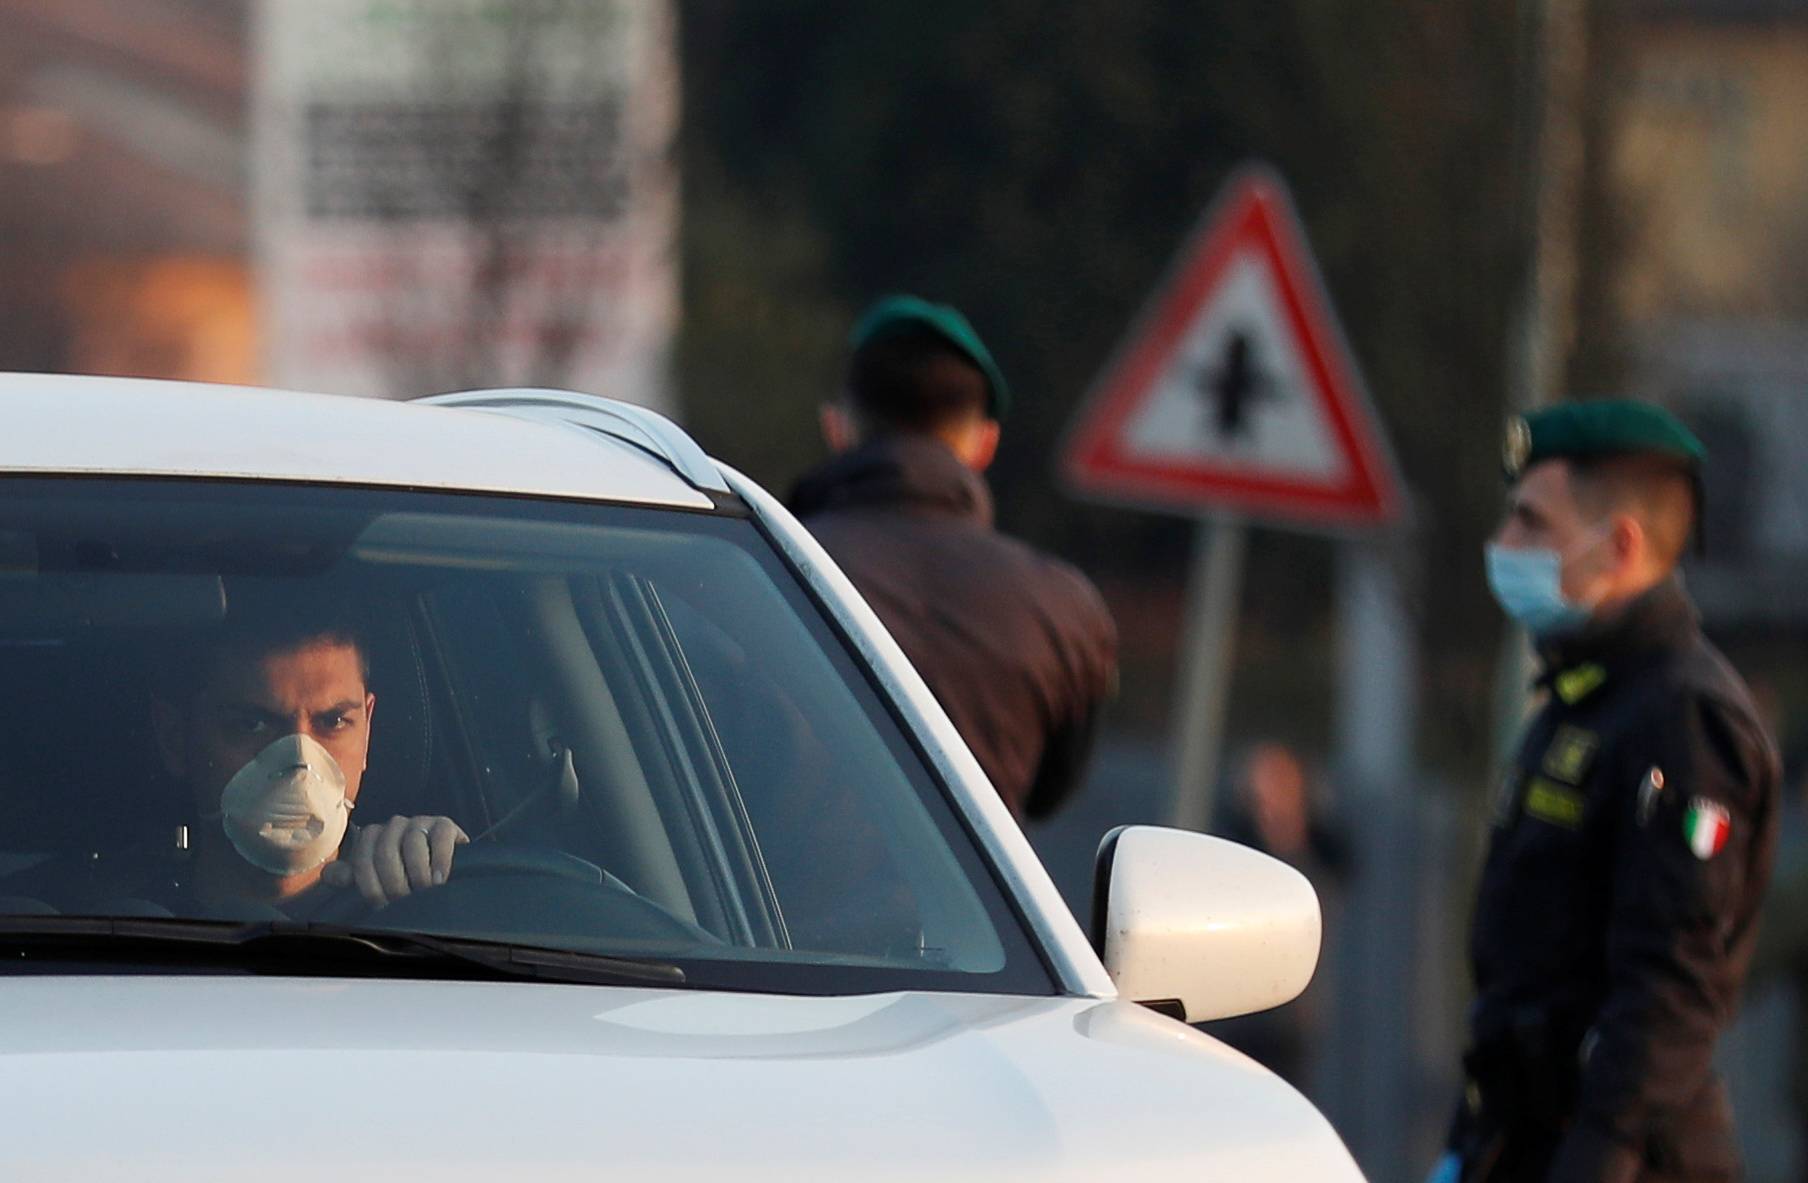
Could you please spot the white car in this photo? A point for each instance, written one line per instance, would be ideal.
(497, 787)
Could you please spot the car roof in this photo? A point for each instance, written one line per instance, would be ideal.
(67, 424)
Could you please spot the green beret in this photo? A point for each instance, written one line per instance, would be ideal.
(1599, 427)
(897, 314)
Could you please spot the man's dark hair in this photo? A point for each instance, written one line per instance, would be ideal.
(254, 627)
(1658, 492)
(913, 381)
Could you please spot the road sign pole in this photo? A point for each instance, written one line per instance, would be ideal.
(1234, 392)
(1377, 714)
(1214, 595)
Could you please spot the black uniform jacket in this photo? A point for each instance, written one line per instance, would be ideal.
(1017, 647)
(1616, 916)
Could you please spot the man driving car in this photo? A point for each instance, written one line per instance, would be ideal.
(268, 728)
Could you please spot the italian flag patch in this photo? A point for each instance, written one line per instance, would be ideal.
(1706, 826)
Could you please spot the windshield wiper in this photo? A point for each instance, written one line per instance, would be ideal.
(292, 946)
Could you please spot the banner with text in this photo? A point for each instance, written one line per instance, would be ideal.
(452, 194)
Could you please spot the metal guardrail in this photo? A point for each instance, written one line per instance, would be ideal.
(647, 430)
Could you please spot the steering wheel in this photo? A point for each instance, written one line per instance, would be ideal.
(534, 891)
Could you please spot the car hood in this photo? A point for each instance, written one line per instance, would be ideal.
(222, 1077)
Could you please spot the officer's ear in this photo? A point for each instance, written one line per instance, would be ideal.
(838, 429)
(1628, 541)
(980, 447)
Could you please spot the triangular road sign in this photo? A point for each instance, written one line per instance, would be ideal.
(1234, 391)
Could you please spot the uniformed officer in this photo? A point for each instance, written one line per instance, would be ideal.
(1633, 832)
(1017, 646)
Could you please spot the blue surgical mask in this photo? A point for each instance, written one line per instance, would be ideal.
(1528, 584)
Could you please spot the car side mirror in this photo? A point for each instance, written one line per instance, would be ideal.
(1199, 927)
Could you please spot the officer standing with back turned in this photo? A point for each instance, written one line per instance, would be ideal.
(1633, 832)
(1017, 646)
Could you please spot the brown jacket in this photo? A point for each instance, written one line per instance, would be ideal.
(1017, 646)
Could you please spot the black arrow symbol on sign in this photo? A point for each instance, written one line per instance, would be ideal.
(1234, 387)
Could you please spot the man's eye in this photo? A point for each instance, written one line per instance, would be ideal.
(336, 723)
(248, 725)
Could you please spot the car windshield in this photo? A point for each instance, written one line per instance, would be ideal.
(632, 729)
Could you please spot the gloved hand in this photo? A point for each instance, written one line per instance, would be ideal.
(1448, 1169)
(401, 856)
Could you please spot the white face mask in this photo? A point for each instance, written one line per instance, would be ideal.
(286, 811)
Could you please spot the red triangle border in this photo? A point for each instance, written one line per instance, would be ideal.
(1254, 213)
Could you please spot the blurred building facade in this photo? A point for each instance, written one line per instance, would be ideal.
(122, 189)
(361, 196)
(1710, 165)
(1711, 170)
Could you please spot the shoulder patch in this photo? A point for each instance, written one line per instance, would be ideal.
(1706, 826)
(1553, 803)
(1570, 754)
(1574, 685)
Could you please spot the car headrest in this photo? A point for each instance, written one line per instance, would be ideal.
(402, 731)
